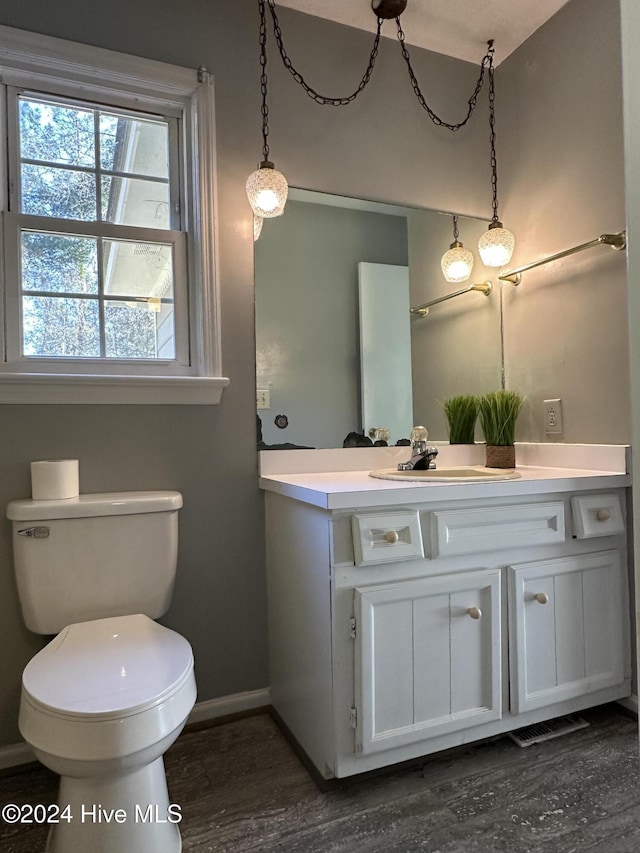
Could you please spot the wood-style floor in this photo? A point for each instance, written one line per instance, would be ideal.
(241, 788)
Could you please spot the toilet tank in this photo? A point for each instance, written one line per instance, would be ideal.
(94, 556)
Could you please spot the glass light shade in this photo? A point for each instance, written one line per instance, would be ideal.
(267, 191)
(257, 226)
(457, 263)
(496, 246)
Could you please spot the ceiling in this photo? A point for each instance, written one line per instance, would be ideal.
(458, 28)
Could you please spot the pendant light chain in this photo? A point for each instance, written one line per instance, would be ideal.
(497, 244)
(343, 101)
(322, 99)
(492, 137)
(267, 188)
(263, 80)
(487, 61)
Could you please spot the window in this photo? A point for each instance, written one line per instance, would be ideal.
(108, 270)
(107, 290)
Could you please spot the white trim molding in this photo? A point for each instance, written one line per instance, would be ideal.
(235, 703)
(15, 754)
(25, 388)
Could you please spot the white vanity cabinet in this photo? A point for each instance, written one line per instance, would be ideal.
(401, 629)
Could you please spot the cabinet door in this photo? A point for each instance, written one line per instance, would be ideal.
(567, 628)
(427, 658)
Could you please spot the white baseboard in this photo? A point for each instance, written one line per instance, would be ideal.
(15, 754)
(233, 704)
(631, 703)
(20, 753)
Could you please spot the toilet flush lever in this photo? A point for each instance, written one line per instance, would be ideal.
(35, 532)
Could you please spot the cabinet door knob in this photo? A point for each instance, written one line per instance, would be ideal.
(474, 612)
(542, 598)
(391, 536)
(603, 515)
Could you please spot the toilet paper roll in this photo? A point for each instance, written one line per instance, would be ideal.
(55, 479)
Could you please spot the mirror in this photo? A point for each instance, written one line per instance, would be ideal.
(320, 272)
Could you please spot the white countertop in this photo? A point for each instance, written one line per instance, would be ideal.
(356, 489)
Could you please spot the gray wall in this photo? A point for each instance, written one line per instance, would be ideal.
(381, 147)
(307, 316)
(561, 181)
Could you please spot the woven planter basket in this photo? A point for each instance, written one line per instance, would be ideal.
(501, 457)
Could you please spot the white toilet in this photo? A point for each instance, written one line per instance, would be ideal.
(104, 700)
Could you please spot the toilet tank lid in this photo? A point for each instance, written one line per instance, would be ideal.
(86, 506)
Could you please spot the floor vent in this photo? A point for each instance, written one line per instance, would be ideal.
(539, 732)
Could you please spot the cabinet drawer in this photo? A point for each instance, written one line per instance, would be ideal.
(469, 531)
(386, 537)
(596, 515)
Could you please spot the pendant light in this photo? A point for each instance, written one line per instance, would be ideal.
(496, 245)
(457, 262)
(257, 226)
(267, 188)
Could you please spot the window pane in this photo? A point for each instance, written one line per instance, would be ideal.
(139, 330)
(85, 296)
(56, 134)
(58, 263)
(63, 193)
(134, 145)
(131, 201)
(57, 326)
(132, 268)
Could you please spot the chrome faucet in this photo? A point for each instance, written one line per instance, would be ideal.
(422, 457)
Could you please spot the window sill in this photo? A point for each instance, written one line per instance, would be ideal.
(36, 388)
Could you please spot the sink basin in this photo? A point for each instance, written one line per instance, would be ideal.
(447, 475)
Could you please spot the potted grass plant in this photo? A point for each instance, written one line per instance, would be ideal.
(498, 412)
(461, 413)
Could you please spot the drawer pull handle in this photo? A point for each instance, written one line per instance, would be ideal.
(603, 515)
(391, 537)
(542, 598)
(474, 612)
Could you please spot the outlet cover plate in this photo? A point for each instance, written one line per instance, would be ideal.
(263, 399)
(553, 417)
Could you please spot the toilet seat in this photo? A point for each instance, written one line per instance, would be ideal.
(108, 669)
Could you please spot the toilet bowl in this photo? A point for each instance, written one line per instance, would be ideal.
(100, 705)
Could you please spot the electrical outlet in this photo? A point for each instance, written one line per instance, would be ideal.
(263, 399)
(553, 416)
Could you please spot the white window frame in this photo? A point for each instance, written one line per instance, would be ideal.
(44, 64)
(15, 223)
